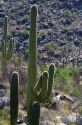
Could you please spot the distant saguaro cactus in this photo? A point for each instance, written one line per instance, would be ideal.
(14, 98)
(6, 52)
(36, 91)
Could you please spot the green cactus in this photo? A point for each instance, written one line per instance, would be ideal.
(14, 98)
(6, 52)
(35, 113)
(41, 90)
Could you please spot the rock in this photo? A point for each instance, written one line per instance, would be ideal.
(66, 21)
(69, 119)
(45, 26)
(61, 124)
(22, 124)
(2, 86)
(1, 104)
(47, 122)
(50, 24)
(2, 93)
(78, 32)
(19, 120)
(5, 101)
(79, 121)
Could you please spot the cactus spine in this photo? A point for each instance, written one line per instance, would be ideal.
(41, 90)
(14, 98)
(6, 52)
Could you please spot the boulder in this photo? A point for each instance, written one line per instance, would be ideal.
(2, 93)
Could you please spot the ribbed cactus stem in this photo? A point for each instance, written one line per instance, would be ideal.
(14, 98)
(5, 28)
(32, 64)
(50, 80)
(6, 52)
(35, 113)
(41, 90)
(38, 86)
(3, 49)
(32, 69)
(44, 88)
(10, 49)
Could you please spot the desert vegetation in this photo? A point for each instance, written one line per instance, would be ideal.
(41, 62)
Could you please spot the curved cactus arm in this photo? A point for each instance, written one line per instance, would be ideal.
(38, 86)
(10, 49)
(3, 49)
(42, 95)
(50, 80)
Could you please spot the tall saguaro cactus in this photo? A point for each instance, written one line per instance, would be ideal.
(6, 52)
(36, 91)
(14, 98)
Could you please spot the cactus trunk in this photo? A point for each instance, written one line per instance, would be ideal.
(32, 68)
(6, 52)
(41, 90)
(14, 99)
(35, 113)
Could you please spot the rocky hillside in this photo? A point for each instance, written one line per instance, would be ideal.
(59, 25)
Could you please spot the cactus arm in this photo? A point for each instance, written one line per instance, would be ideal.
(5, 30)
(50, 80)
(3, 49)
(38, 86)
(4, 37)
(42, 95)
(14, 98)
(10, 49)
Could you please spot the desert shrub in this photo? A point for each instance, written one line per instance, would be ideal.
(50, 31)
(76, 91)
(80, 109)
(68, 88)
(62, 43)
(76, 75)
(63, 79)
(39, 37)
(24, 34)
(63, 74)
(25, 17)
(68, 14)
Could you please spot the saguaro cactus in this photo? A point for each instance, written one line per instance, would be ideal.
(35, 113)
(14, 98)
(6, 52)
(41, 90)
